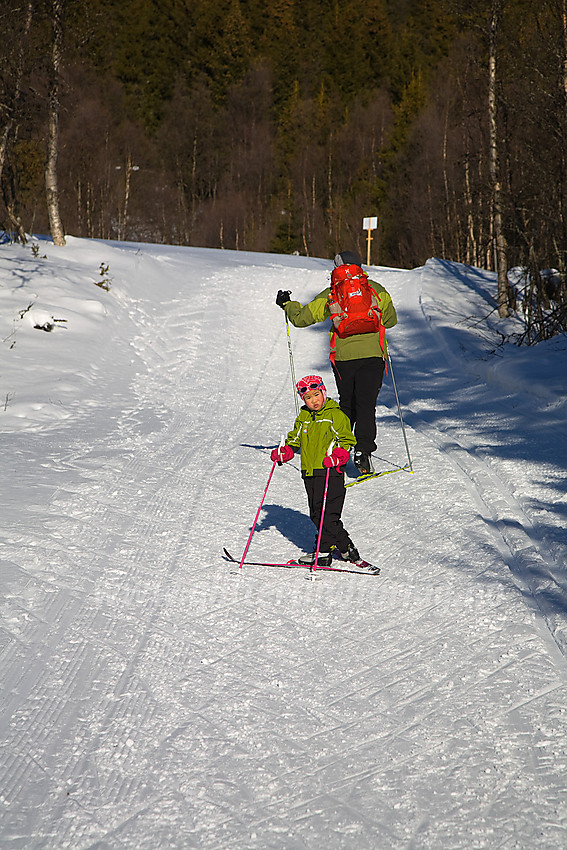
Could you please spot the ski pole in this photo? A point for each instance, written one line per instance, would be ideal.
(400, 412)
(322, 518)
(329, 450)
(257, 515)
(291, 365)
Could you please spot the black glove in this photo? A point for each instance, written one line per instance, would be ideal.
(283, 297)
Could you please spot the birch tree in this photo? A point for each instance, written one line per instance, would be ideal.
(51, 185)
(499, 240)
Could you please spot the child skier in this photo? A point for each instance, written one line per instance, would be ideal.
(323, 433)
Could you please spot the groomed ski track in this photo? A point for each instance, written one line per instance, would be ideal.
(154, 700)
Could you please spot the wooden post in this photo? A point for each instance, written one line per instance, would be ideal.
(369, 224)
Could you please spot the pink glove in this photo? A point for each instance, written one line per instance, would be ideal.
(282, 454)
(338, 458)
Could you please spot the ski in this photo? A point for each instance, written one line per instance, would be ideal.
(368, 475)
(365, 569)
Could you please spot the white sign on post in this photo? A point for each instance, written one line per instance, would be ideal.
(369, 224)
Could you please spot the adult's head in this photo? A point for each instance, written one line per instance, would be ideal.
(347, 258)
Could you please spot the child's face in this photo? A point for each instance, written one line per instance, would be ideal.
(314, 399)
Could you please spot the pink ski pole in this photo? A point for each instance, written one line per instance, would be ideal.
(257, 514)
(322, 518)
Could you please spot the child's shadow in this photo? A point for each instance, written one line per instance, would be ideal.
(292, 524)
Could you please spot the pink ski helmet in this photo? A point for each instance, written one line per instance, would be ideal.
(311, 382)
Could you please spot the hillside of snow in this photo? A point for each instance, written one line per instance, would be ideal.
(156, 696)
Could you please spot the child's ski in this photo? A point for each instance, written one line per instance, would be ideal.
(365, 568)
(367, 476)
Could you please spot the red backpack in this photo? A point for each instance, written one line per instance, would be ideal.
(354, 305)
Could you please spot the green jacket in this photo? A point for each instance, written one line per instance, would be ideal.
(314, 431)
(350, 347)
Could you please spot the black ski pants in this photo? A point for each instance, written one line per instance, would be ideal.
(334, 532)
(358, 384)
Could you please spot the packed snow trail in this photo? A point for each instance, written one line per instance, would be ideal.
(157, 697)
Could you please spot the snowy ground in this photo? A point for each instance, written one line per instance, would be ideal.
(153, 696)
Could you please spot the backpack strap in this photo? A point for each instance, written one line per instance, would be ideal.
(333, 352)
(381, 328)
(335, 311)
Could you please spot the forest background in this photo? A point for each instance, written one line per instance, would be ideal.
(278, 127)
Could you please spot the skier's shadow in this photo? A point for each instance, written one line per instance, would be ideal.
(292, 524)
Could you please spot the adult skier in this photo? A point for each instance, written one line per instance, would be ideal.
(358, 359)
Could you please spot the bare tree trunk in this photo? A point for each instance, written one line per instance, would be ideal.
(448, 217)
(501, 260)
(123, 213)
(471, 250)
(330, 209)
(432, 249)
(11, 109)
(564, 18)
(51, 187)
(193, 190)
(562, 253)
(16, 222)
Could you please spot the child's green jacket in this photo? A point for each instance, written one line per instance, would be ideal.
(314, 431)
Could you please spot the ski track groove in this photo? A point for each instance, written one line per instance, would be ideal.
(517, 538)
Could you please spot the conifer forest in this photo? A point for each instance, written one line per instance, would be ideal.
(278, 126)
